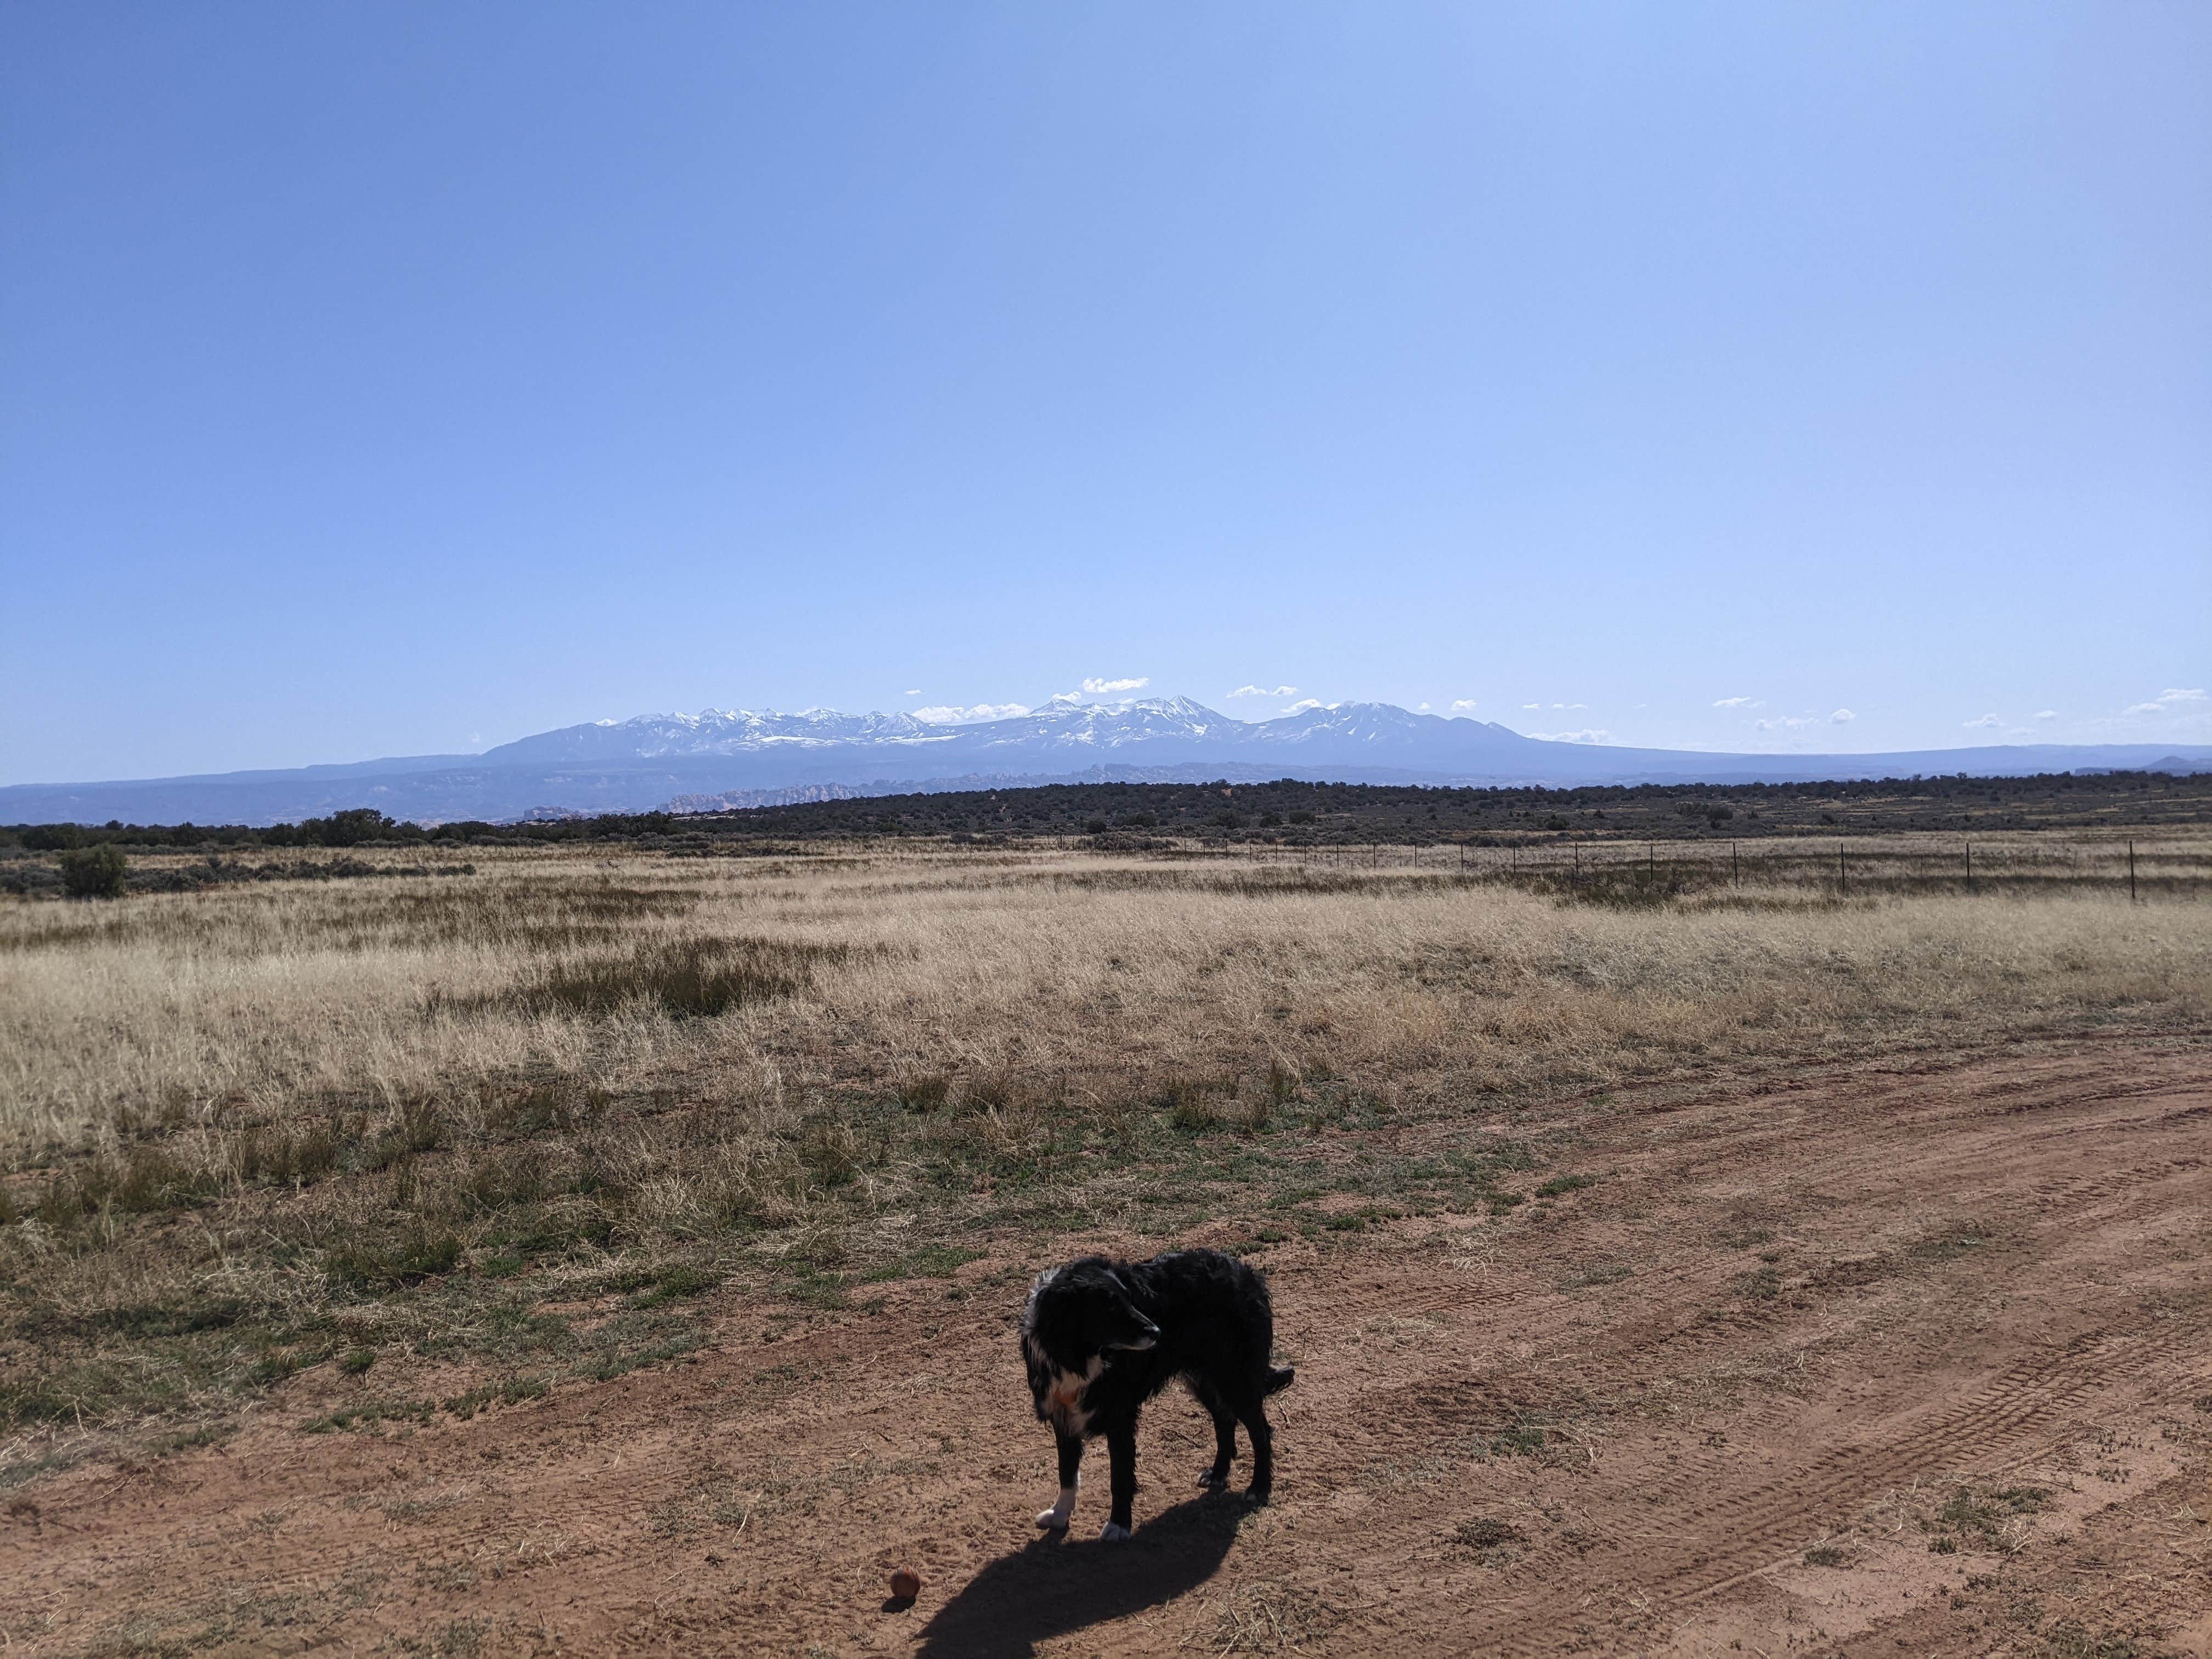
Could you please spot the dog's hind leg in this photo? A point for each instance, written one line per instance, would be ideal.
(1225, 1449)
(1225, 1435)
(1055, 1519)
(1254, 1416)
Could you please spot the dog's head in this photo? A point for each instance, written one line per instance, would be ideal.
(1078, 1317)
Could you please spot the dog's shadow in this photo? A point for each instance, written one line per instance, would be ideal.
(1054, 1587)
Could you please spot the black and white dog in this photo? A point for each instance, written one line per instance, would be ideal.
(1101, 1337)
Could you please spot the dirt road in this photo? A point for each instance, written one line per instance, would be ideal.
(1876, 1361)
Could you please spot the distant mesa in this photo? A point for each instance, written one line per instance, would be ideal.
(722, 760)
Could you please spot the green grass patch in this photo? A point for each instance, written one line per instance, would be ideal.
(1359, 1220)
(511, 1392)
(1526, 1437)
(1759, 1284)
(385, 1266)
(373, 1413)
(930, 1262)
(1559, 1185)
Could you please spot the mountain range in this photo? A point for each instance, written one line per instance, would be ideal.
(740, 757)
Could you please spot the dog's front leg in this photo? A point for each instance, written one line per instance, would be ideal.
(1055, 1519)
(1121, 1455)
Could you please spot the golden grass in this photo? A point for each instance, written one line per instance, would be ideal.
(1080, 975)
(416, 1108)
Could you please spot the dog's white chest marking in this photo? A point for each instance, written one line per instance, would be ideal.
(1064, 1400)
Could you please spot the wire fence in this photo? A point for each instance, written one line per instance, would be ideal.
(1860, 865)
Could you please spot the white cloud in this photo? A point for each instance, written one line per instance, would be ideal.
(1739, 702)
(1842, 717)
(1985, 721)
(2167, 700)
(914, 693)
(956, 715)
(1424, 708)
(1532, 705)
(1096, 687)
(1465, 706)
(2046, 713)
(1592, 735)
(1303, 704)
(1261, 690)
(1570, 705)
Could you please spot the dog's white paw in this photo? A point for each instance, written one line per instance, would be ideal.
(1110, 1533)
(1052, 1521)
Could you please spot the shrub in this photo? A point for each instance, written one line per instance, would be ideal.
(698, 977)
(348, 828)
(421, 1255)
(925, 1094)
(1190, 1107)
(94, 871)
(52, 837)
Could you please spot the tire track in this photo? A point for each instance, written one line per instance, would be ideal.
(1766, 1524)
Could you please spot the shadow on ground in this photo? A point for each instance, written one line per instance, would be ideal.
(1052, 1588)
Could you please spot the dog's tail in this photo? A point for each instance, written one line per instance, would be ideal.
(1279, 1380)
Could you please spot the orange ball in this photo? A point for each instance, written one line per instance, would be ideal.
(906, 1584)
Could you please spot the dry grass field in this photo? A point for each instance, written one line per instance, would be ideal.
(586, 1248)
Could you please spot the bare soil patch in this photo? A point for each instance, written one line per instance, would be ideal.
(1907, 1356)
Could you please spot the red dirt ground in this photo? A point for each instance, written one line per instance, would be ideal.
(1993, 1276)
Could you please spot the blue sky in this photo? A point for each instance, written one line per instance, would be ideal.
(389, 379)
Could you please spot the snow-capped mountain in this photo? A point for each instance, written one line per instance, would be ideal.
(1065, 728)
(749, 756)
(710, 731)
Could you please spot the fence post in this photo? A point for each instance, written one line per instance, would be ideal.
(1843, 881)
(2131, 873)
(1970, 866)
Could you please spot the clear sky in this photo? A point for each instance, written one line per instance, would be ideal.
(386, 379)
